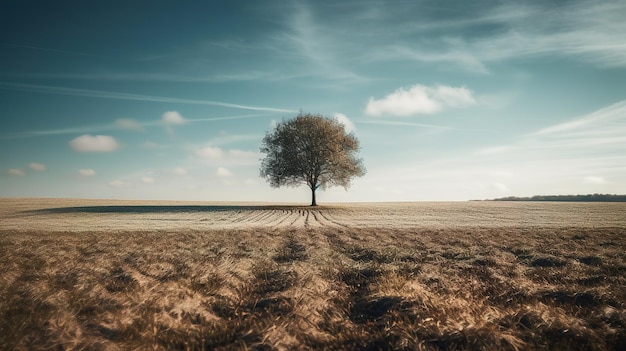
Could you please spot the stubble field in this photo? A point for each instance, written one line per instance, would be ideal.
(109, 275)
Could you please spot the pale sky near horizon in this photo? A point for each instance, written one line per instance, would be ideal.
(451, 100)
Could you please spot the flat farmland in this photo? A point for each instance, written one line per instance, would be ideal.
(125, 275)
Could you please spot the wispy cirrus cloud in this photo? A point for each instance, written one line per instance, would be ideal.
(61, 131)
(36, 88)
(583, 30)
(308, 40)
(420, 99)
(601, 133)
(122, 123)
(225, 118)
(307, 44)
(313, 37)
(590, 31)
(589, 148)
(582, 155)
(40, 48)
(606, 122)
(386, 122)
(270, 75)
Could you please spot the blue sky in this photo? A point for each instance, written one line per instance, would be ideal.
(451, 100)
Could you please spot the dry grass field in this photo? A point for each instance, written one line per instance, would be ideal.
(121, 275)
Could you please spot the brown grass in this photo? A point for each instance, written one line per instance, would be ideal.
(301, 286)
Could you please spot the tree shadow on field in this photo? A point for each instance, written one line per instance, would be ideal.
(166, 209)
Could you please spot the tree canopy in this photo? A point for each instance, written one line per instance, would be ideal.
(313, 150)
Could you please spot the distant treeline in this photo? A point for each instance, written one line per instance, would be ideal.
(573, 198)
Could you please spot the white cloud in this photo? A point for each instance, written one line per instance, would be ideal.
(223, 172)
(37, 166)
(119, 184)
(225, 158)
(453, 97)
(87, 172)
(147, 180)
(128, 124)
(179, 171)
(16, 172)
(94, 143)
(420, 99)
(173, 117)
(347, 123)
(210, 152)
(594, 180)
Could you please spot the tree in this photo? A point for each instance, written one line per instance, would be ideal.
(313, 150)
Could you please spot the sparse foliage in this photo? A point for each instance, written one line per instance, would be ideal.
(313, 150)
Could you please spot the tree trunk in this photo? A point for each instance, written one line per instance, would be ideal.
(313, 203)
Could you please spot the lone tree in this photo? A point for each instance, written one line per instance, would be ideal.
(313, 150)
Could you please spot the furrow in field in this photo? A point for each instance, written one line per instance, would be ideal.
(298, 219)
(285, 217)
(237, 216)
(314, 219)
(274, 218)
(240, 216)
(332, 220)
(252, 216)
(306, 219)
(265, 217)
(104, 215)
(322, 221)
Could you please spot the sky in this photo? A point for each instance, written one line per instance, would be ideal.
(450, 100)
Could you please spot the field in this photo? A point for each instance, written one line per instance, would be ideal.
(122, 275)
